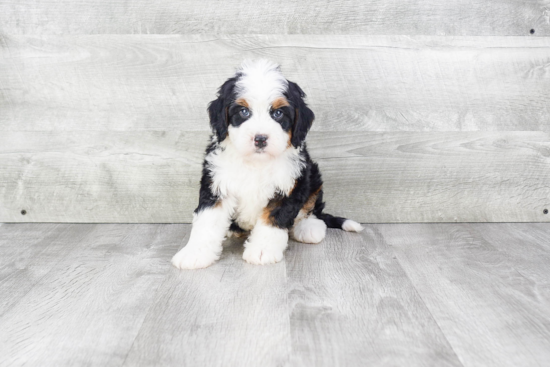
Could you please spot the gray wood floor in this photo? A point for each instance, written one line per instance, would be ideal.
(394, 295)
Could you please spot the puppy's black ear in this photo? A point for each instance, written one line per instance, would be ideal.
(303, 115)
(218, 109)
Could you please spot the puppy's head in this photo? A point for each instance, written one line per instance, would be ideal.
(259, 112)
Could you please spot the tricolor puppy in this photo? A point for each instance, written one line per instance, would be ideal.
(257, 177)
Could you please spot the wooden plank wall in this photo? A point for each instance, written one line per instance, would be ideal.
(408, 17)
(426, 111)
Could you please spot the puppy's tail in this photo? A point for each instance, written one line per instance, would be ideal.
(331, 221)
(338, 222)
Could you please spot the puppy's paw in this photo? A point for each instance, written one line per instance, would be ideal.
(259, 255)
(309, 230)
(265, 245)
(194, 257)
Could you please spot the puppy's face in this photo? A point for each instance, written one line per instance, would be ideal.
(260, 129)
(260, 113)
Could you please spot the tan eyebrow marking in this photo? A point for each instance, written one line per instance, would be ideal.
(279, 102)
(242, 102)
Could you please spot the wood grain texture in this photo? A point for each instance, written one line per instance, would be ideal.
(436, 177)
(100, 176)
(28, 252)
(89, 307)
(370, 177)
(490, 17)
(230, 314)
(399, 294)
(491, 311)
(527, 247)
(352, 304)
(354, 83)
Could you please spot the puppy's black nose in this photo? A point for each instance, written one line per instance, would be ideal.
(260, 141)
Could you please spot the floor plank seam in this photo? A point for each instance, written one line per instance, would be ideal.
(510, 261)
(155, 298)
(396, 258)
(131, 346)
(288, 314)
(431, 313)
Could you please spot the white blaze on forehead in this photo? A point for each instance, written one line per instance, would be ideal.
(260, 81)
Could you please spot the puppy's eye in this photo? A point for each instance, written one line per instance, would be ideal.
(277, 114)
(244, 112)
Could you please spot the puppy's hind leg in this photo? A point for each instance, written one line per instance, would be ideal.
(309, 230)
(205, 242)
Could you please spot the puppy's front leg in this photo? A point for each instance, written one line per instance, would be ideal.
(266, 244)
(205, 242)
(269, 237)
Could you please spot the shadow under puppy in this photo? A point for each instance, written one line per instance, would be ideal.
(257, 175)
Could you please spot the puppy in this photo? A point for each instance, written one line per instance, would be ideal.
(258, 178)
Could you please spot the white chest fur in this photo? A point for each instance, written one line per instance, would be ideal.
(246, 186)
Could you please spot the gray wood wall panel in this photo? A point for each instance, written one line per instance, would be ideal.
(436, 177)
(101, 176)
(153, 176)
(354, 83)
(489, 17)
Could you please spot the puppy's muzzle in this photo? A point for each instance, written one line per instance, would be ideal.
(260, 141)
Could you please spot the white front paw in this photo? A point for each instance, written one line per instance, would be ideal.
(259, 255)
(194, 257)
(265, 245)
